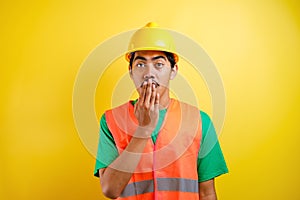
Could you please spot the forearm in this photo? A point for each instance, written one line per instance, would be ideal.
(207, 190)
(117, 175)
(209, 197)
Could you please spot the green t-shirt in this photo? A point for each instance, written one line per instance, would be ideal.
(210, 161)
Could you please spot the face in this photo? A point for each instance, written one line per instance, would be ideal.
(152, 65)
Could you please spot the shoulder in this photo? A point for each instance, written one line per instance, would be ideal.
(185, 107)
(123, 105)
(207, 124)
(119, 111)
(205, 117)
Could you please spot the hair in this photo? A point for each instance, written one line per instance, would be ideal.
(169, 55)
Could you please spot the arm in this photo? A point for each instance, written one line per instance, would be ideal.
(207, 190)
(116, 176)
(211, 162)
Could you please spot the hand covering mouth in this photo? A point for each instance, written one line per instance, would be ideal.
(153, 82)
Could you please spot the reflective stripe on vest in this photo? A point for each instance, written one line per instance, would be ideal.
(137, 188)
(168, 168)
(163, 184)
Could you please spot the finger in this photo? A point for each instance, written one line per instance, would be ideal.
(153, 96)
(156, 104)
(156, 99)
(148, 93)
(135, 107)
(143, 94)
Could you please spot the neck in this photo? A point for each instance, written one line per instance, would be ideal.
(164, 101)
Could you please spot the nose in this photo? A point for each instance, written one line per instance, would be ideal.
(149, 73)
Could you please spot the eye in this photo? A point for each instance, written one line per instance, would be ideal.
(159, 65)
(139, 65)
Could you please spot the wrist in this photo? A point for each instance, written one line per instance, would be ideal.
(143, 132)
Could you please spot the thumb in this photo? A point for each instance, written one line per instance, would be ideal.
(156, 99)
(135, 107)
(156, 102)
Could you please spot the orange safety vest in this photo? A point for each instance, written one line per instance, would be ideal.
(168, 168)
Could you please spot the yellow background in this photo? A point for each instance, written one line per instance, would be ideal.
(254, 44)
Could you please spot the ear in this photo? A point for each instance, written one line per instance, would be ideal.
(173, 72)
(130, 71)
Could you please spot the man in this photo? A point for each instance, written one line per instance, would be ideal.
(150, 148)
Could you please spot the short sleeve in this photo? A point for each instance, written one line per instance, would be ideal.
(107, 151)
(211, 162)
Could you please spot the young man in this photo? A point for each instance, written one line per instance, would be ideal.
(150, 148)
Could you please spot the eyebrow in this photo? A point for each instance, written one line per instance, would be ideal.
(143, 58)
(158, 57)
(139, 58)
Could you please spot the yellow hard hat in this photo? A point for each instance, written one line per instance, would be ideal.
(151, 37)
